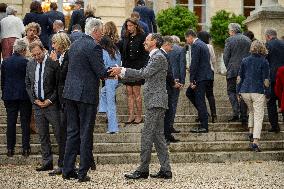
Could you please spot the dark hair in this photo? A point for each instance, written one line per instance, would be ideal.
(159, 39)
(140, 2)
(35, 7)
(135, 15)
(190, 32)
(80, 2)
(204, 36)
(108, 45)
(250, 35)
(168, 39)
(53, 6)
(3, 7)
(134, 21)
(76, 27)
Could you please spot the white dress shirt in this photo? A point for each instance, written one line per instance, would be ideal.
(37, 78)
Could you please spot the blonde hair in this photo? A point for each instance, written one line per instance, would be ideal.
(258, 47)
(62, 40)
(110, 30)
(33, 25)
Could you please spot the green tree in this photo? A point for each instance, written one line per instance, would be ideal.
(176, 21)
(219, 26)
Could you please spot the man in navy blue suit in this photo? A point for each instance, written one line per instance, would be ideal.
(81, 92)
(77, 14)
(15, 96)
(53, 14)
(200, 76)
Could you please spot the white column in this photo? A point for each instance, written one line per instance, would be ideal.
(60, 5)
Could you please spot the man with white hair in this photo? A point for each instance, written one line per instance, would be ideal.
(275, 58)
(236, 48)
(81, 92)
(12, 28)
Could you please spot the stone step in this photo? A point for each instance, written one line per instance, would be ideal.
(177, 157)
(183, 127)
(183, 137)
(106, 148)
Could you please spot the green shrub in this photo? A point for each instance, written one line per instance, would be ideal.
(219, 26)
(176, 21)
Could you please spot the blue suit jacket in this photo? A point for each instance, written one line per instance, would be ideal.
(13, 72)
(75, 35)
(85, 69)
(275, 56)
(147, 15)
(76, 17)
(45, 24)
(178, 63)
(200, 69)
(55, 15)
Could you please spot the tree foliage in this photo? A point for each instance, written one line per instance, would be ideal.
(219, 26)
(176, 21)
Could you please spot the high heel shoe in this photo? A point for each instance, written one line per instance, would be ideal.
(250, 137)
(255, 147)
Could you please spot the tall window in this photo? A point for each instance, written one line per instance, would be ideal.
(199, 8)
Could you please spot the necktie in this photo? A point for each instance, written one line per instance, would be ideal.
(39, 82)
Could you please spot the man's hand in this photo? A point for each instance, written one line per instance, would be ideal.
(46, 103)
(192, 85)
(114, 71)
(39, 103)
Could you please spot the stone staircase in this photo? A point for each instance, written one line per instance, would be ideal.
(225, 142)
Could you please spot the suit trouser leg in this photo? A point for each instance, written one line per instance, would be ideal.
(200, 91)
(43, 131)
(210, 97)
(73, 137)
(63, 136)
(153, 132)
(25, 117)
(87, 114)
(169, 113)
(191, 96)
(272, 109)
(12, 108)
(175, 103)
(232, 93)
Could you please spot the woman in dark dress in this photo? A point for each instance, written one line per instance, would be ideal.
(36, 15)
(133, 56)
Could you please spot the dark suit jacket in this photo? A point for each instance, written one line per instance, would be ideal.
(76, 17)
(55, 15)
(49, 80)
(178, 63)
(200, 69)
(85, 69)
(62, 73)
(236, 48)
(275, 56)
(170, 78)
(147, 15)
(13, 71)
(75, 35)
(45, 24)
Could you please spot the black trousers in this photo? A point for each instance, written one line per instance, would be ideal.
(197, 98)
(80, 127)
(237, 106)
(272, 108)
(12, 109)
(169, 113)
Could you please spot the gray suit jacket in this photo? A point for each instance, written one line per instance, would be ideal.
(236, 48)
(49, 80)
(155, 93)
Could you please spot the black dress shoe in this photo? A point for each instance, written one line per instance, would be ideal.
(162, 174)
(71, 175)
(255, 147)
(171, 139)
(84, 179)
(199, 130)
(93, 166)
(251, 137)
(234, 119)
(57, 171)
(173, 130)
(26, 152)
(275, 130)
(137, 175)
(214, 119)
(47, 167)
(10, 152)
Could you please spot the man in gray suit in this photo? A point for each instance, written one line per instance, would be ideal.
(41, 85)
(156, 103)
(236, 48)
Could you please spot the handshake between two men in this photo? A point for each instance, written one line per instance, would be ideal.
(116, 72)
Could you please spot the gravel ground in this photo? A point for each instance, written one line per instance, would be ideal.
(258, 175)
